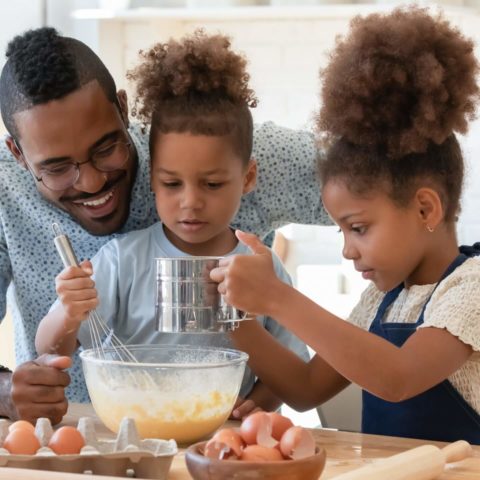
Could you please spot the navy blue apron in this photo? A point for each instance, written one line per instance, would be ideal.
(440, 413)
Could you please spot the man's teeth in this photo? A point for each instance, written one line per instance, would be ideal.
(99, 201)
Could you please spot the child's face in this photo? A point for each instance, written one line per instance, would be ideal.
(385, 242)
(198, 183)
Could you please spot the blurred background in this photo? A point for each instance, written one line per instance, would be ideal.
(286, 42)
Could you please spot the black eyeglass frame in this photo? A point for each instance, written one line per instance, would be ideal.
(77, 165)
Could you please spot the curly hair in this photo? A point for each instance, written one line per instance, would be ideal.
(198, 85)
(396, 90)
(43, 66)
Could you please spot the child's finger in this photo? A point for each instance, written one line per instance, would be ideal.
(87, 267)
(252, 242)
(78, 295)
(244, 409)
(82, 283)
(72, 272)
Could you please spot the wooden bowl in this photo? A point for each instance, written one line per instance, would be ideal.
(203, 468)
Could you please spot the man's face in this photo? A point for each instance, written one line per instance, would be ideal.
(71, 129)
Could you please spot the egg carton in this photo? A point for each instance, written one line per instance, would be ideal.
(125, 456)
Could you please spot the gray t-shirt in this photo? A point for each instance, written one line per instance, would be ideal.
(287, 191)
(125, 275)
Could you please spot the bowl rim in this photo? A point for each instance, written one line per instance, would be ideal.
(87, 356)
(194, 451)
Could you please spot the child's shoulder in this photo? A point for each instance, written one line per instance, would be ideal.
(129, 241)
(463, 282)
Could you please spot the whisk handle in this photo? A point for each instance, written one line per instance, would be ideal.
(65, 250)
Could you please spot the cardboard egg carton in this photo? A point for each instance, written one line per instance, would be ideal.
(126, 456)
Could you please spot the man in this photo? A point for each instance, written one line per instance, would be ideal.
(74, 159)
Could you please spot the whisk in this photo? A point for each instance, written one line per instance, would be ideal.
(101, 335)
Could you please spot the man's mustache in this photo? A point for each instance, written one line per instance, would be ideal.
(86, 196)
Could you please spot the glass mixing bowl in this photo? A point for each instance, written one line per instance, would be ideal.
(174, 391)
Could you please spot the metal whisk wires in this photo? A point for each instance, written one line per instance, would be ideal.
(103, 338)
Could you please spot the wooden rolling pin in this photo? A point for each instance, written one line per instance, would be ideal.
(421, 463)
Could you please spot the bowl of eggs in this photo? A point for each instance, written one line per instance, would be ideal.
(176, 392)
(266, 446)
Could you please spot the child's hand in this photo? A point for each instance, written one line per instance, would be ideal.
(248, 282)
(243, 408)
(77, 293)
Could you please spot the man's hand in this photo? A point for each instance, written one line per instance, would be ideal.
(37, 389)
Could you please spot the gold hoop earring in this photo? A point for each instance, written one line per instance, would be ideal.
(430, 229)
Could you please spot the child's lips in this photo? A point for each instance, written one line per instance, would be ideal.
(192, 225)
(367, 274)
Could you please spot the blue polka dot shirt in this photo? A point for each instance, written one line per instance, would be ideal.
(287, 192)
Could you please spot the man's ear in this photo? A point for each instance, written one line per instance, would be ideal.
(16, 152)
(430, 207)
(123, 101)
(250, 179)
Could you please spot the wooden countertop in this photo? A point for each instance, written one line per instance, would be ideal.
(345, 451)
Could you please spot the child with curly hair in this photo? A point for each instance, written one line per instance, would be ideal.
(396, 90)
(194, 93)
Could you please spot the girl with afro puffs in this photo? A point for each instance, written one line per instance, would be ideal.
(395, 93)
(194, 94)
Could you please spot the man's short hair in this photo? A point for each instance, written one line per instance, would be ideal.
(43, 66)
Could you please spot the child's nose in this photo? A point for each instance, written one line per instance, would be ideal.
(191, 198)
(350, 252)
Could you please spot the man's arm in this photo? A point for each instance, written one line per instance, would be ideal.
(288, 187)
(6, 406)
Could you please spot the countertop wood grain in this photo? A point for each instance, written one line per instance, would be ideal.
(345, 451)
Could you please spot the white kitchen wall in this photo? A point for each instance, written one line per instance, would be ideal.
(286, 47)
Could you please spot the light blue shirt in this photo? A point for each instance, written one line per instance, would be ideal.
(287, 191)
(125, 279)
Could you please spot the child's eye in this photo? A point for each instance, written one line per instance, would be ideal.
(360, 229)
(214, 185)
(171, 184)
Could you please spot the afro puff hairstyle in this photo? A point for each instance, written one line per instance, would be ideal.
(197, 85)
(396, 90)
(43, 66)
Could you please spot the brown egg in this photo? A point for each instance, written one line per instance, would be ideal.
(296, 443)
(280, 424)
(21, 441)
(257, 429)
(66, 440)
(231, 438)
(259, 453)
(23, 424)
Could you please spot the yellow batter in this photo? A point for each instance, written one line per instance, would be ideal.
(186, 421)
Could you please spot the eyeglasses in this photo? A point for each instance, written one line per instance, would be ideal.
(65, 174)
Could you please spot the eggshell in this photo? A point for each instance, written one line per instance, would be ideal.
(297, 443)
(257, 429)
(259, 453)
(66, 440)
(280, 424)
(21, 441)
(231, 438)
(23, 424)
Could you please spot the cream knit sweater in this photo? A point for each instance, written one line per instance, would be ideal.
(455, 306)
